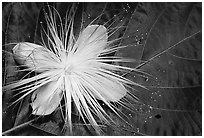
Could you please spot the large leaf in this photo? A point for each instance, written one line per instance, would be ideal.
(171, 53)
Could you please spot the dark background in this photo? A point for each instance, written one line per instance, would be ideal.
(168, 46)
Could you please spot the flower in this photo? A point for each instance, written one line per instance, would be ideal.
(75, 70)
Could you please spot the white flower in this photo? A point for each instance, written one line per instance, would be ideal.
(76, 70)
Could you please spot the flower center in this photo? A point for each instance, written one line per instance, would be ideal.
(68, 69)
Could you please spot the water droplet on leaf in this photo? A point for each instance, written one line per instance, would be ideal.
(158, 116)
(170, 62)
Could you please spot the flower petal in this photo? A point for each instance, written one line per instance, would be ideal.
(34, 56)
(113, 92)
(92, 40)
(46, 99)
(106, 88)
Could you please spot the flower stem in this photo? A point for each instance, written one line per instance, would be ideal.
(17, 127)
